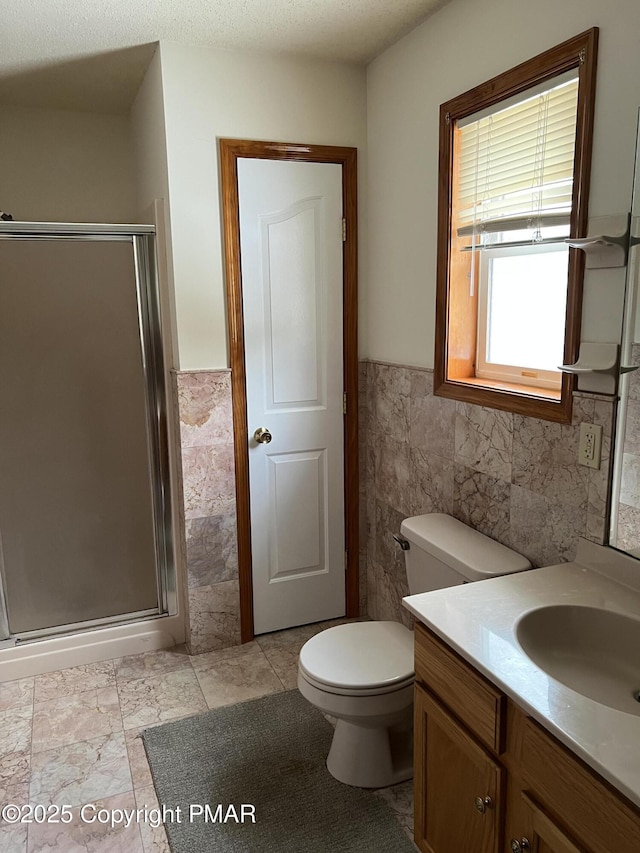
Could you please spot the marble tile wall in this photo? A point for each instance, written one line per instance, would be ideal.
(208, 484)
(511, 477)
(363, 428)
(514, 478)
(208, 487)
(628, 528)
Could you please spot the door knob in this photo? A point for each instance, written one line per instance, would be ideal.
(262, 435)
(520, 846)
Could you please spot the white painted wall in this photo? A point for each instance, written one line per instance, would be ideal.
(59, 165)
(462, 45)
(215, 93)
(148, 136)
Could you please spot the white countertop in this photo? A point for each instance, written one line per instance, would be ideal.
(478, 620)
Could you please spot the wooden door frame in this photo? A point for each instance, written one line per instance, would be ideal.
(230, 151)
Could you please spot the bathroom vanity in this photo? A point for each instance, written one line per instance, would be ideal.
(507, 756)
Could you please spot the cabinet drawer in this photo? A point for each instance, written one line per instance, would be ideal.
(599, 818)
(474, 700)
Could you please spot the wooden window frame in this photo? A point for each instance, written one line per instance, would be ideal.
(455, 344)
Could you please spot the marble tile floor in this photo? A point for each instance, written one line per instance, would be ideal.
(72, 736)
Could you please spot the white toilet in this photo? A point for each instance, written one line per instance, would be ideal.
(362, 673)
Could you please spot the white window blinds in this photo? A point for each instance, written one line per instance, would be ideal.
(515, 166)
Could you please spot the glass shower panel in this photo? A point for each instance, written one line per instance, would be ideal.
(76, 511)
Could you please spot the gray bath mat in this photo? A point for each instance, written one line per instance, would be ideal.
(269, 754)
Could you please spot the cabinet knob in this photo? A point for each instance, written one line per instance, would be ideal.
(520, 846)
(483, 803)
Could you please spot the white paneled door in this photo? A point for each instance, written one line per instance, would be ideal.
(291, 255)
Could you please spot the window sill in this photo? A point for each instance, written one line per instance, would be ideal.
(543, 403)
(513, 387)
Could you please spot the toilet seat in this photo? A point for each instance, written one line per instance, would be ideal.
(356, 691)
(359, 659)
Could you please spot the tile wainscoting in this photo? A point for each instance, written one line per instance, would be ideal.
(209, 503)
(209, 508)
(628, 537)
(514, 478)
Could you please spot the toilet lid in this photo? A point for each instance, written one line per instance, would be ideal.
(359, 655)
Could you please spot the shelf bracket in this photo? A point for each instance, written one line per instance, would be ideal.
(597, 368)
(607, 244)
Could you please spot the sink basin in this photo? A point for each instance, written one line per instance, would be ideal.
(593, 651)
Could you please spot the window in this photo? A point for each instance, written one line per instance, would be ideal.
(515, 158)
(522, 303)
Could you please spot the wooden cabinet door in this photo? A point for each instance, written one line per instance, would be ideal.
(458, 785)
(600, 820)
(542, 835)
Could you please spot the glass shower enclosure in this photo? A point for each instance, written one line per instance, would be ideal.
(84, 479)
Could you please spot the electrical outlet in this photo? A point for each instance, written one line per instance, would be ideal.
(590, 444)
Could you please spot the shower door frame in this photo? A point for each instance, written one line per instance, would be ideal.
(142, 238)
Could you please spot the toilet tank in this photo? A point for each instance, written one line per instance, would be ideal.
(445, 552)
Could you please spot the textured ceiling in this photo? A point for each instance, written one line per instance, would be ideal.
(92, 54)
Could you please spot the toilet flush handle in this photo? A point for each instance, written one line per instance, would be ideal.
(402, 542)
